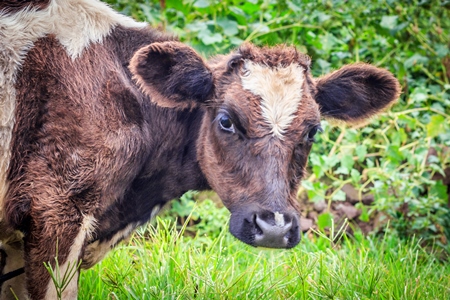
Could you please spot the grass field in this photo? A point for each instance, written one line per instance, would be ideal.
(165, 264)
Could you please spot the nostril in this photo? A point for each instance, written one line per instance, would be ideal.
(271, 229)
(265, 228)
(275, 230)
(258, 229)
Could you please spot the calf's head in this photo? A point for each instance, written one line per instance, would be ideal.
(262, 109)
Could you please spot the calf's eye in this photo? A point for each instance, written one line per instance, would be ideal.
(312, 133)
(226, 124)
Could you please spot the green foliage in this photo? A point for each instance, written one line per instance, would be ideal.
(205, 218)
(62, 281)
(389, 157)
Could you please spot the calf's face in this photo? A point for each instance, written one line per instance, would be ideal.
(262, 110)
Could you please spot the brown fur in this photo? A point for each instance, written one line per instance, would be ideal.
(66, 144)
(12, 6)
(175, 61)
(372, 87)
(135, 122)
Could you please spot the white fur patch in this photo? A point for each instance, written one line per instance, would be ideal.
(71, 292)
(280, 90)
(75, 23)
(279, 219)
(96, 251)
(155, 211)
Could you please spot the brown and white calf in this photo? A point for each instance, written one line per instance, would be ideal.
(103, 120)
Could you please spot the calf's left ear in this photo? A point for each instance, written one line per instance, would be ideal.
(356, 92)
(172, 74)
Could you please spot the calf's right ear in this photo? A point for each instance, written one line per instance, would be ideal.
(172, 74)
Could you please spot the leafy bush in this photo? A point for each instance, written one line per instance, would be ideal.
(388, 158)
(203, 217)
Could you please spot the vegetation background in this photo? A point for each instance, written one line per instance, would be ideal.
(400, 159)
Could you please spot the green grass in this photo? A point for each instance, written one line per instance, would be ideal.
(163, 264)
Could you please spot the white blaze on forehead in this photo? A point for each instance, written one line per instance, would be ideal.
(280, 89)
(74, 23)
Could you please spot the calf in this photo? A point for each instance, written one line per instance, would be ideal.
(104, 120)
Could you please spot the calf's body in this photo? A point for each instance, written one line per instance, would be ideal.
(104, 120)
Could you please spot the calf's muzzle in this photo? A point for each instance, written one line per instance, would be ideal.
(262, 228)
